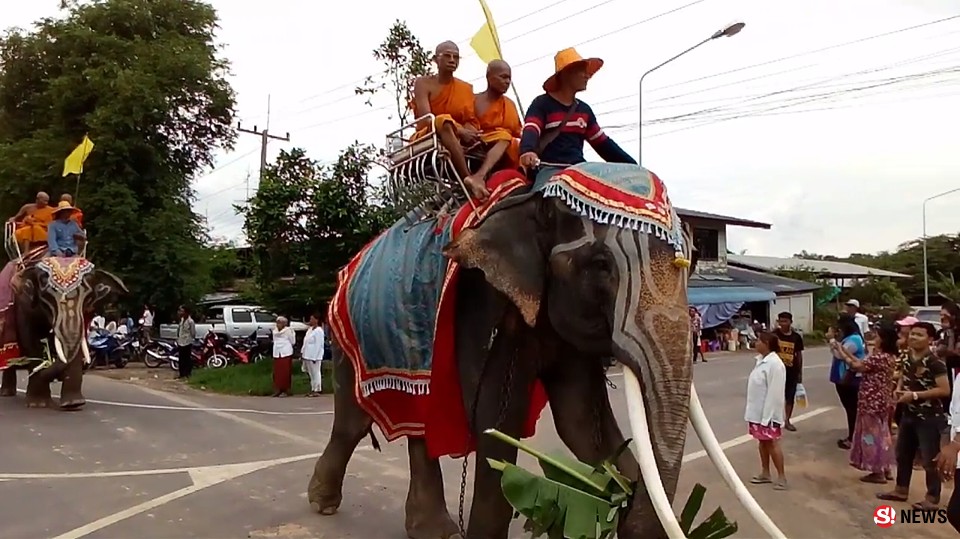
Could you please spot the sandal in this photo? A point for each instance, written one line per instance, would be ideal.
(926, 505)
(877, 479)
(760, 479)
(843, 444)
(892, 497)
(780, 484)
(790, 427)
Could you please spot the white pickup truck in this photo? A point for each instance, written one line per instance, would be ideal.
(235, 321)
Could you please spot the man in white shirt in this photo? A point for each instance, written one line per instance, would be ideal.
(146, 321)
(853, 307)
(98, 322)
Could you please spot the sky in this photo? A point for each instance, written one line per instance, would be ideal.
(835, 144)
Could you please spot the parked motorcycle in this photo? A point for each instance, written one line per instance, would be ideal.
(158, 352)
(206, 353)
(105, 349)
(245, 350)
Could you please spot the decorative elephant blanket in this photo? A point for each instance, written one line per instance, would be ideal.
(393, 316)
(9, 348)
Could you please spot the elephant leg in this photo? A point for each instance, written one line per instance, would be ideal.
(38, 391)
(350, 425)
(426, 508)
(71, 391)
(8, 383)
(490, 514)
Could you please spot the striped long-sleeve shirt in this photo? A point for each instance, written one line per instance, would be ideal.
(546, 113)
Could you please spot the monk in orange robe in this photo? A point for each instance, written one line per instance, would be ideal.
(32, 221)
(77, 213)
(500, 125)
(450, 100)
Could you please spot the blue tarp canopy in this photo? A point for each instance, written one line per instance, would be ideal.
(709, 295)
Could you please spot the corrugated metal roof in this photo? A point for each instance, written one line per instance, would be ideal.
(824, 267)
(736, 221)
(773, 283)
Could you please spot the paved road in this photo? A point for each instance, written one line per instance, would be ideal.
(151, 464)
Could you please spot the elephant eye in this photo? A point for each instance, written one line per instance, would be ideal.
(600, 263)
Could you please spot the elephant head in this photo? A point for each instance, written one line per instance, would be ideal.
(59, 296)
(610, 288)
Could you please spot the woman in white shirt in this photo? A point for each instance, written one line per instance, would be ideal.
(283, 340)
(947, 459)
(312, 353)
(764, 412)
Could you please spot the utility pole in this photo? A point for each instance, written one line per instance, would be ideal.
(265, 137)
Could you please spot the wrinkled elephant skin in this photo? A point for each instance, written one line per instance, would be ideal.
(46, 313)
(564, 295)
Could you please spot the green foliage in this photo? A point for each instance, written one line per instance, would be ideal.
(144, 79)
(943, 258)
(573, 500)
(404, 60)
(307, 221)
(255, 379)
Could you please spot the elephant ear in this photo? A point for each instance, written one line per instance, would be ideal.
(505, 247)
(106, 284)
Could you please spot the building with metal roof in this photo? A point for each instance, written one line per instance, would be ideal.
(823, 268)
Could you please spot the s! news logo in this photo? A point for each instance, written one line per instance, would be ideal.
(885, 516)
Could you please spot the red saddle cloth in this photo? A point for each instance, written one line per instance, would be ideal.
(439, 414)
(9, 349)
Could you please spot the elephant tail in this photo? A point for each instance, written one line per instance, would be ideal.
(373, 438)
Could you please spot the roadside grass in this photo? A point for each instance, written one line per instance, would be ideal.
(253, 379)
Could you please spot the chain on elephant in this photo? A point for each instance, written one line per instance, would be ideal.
(506, 394)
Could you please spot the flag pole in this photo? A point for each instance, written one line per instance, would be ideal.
(496, 43)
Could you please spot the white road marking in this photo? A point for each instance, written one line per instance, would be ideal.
(195, 408)
(202, 477)
(740, 440)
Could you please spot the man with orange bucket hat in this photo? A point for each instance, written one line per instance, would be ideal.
(557, 123)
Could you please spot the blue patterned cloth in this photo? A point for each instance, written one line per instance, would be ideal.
(394, 295)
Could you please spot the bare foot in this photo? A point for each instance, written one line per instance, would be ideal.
(477, 187)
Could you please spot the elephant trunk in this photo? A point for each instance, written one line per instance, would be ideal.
(70, 336)
(652, 340)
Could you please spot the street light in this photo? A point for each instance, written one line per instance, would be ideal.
(728, 31)
(926, 276)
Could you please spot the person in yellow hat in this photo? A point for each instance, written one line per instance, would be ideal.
(557, 123)
(64, 235)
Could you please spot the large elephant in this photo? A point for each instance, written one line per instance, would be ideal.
(53, 299)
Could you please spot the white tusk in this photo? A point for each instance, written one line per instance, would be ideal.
(58, 347)
(712, 446)
(86, 350)
(645, 457)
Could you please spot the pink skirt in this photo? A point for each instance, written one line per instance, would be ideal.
(764, 433)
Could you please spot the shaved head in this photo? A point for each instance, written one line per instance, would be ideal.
(43, 196)
(447, 57)
(496, 67)
(499, 76)
(66, 197)
(447, 46)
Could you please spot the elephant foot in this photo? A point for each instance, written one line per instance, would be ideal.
(432, 527)
(41, 402)
(8, 391)
(72, 404)
(324, 503)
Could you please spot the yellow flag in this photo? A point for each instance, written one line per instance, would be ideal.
(73, 164)
(486, 42)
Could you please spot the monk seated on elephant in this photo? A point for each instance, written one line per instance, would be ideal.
(499, 127)
(65, 238)
(451, 102)
(31, 223)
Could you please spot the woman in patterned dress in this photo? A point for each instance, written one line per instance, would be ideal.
(871, 448)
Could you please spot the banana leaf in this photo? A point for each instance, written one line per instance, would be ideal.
(574, 500)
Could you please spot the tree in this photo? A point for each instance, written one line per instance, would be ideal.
(145, 80)
(307, 221)
(404, 60)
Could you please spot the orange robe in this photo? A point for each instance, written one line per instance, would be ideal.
(33, 229)
(454, 103)
(501, 121)
(77, 216)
